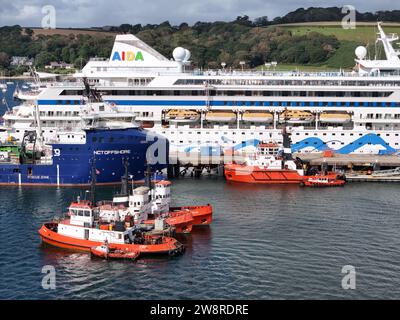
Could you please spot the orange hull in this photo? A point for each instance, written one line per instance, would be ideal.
(168, 246)
(202, 215)
(337, 183)
(249, 174)
(182, 221)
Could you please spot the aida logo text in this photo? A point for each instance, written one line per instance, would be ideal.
(127, 56)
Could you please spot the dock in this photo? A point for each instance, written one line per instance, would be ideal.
(356, 167)
(370, 178)
(351, 160)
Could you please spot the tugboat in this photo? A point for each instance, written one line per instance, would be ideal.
(87, 228)
(323, 180)
(84, 229)
(270, 165)
(152, 201)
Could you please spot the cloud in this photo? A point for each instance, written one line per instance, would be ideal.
(88, 13)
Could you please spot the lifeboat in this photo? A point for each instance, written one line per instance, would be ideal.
(182, 221)
(319, 180)
(154, 244)
(221, 116)
(109, 252)
(296, 116)
(202, 215)
(334, 117)
(259, 117)
(182, 115)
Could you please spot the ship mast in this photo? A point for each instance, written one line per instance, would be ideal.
(287, 148)
(38, 125)
(391, 53)
(93, 182)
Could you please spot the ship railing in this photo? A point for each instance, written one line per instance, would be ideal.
(386, 173)
(294, 73)
(98, 59)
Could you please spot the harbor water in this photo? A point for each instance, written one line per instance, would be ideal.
(266, 242)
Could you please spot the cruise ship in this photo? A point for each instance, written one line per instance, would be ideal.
(225, 111)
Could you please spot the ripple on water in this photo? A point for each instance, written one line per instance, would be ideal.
(280, 242)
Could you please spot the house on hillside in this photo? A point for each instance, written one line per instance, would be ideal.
(21, 61)
(59, 65)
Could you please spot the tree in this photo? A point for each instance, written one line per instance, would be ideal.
(243, 20)
(125, 28)
(29, 32)
(261, 21)
(44, 58)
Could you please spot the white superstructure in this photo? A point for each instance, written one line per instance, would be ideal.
(232, 111)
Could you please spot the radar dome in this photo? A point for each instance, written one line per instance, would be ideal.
(179, 54)
(187, 55)
(361, 52)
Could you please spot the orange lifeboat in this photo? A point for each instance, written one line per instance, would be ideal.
(320, 180)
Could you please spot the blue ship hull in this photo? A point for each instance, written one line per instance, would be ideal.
(72, 163)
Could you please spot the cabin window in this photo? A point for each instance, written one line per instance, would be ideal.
(87, 213)
(80, 213)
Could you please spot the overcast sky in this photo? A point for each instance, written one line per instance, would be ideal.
(89, 13)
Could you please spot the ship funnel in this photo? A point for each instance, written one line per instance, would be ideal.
(130, 50)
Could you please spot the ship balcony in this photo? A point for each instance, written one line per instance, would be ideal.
(380, 121)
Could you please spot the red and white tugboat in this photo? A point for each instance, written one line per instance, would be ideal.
(153, 201)
(145, 206)
(270, 165)
(84, 229)
(89, 226)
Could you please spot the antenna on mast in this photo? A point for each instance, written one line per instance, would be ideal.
(93, 182)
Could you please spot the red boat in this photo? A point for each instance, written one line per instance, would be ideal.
(182, 221)
(328, 180)
(268, 166)
(108, 252)
(202, 215)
